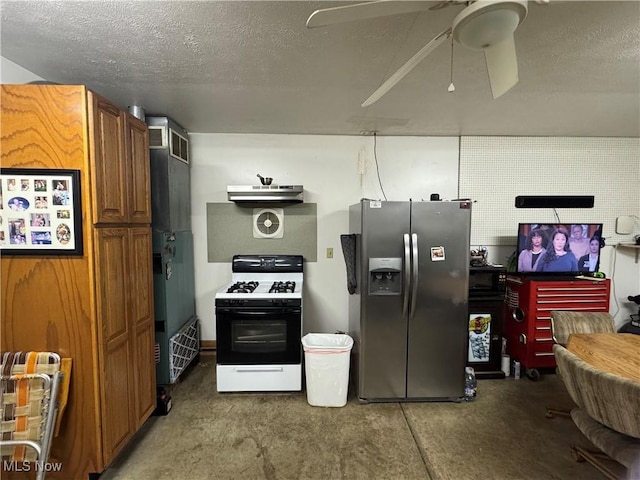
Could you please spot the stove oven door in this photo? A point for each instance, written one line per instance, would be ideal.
(258, 335)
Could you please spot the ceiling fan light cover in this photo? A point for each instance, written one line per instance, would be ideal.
(487, 23)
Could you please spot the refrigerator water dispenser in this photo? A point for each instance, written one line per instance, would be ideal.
(385, 276)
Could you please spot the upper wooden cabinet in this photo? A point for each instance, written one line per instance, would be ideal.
(120, 162)
(96, 308)
(137, 154)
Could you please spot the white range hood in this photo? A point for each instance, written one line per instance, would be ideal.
(265, 193)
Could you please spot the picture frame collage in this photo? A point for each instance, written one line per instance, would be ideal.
(40, 212)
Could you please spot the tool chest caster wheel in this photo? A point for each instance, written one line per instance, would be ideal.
(532, 374)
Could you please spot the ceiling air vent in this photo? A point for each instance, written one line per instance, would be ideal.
(268, 223)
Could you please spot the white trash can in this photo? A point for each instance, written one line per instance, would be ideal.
(326, 368)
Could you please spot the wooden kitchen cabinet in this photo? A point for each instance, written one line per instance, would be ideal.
(139, 187)
(127, 334)
(96, 308)
(120, 163)
(142, 322)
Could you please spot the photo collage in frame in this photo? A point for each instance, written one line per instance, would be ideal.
(40, 211)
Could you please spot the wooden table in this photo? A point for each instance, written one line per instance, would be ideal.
(616, 353)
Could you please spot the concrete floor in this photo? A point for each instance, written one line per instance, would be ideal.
(502, 435)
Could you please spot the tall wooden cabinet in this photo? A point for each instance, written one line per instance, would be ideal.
(96, 308)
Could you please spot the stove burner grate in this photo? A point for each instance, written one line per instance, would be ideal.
(283, 287)
(243, 287)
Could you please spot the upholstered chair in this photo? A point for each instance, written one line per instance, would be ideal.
(607, 413)
(564, 323)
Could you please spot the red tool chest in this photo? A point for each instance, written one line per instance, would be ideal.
(528, 306)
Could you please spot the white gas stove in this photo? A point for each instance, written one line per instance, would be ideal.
(259, 325)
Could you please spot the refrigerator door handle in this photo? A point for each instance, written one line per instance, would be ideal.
(414, 271)
(407, 276)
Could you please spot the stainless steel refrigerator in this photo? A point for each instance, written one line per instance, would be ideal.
(409, 311)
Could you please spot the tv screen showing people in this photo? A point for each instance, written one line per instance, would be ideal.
(568, 249)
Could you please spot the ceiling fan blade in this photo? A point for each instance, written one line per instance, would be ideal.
(447, 3)
(502, 66)
(407, 67)
(362, 11)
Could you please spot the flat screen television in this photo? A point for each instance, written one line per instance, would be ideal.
(559, 248)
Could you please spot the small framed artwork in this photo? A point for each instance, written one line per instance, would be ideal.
(40, 212)
(479, 337)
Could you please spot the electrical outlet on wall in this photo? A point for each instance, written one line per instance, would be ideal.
(329, 252)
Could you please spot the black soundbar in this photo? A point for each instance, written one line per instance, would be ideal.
(554, 201)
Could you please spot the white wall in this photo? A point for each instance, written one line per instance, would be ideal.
(328, 167)
(13, 73)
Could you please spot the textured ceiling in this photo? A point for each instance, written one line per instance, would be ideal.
(253, 66)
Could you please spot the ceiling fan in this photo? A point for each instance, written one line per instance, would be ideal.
(486, 25)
